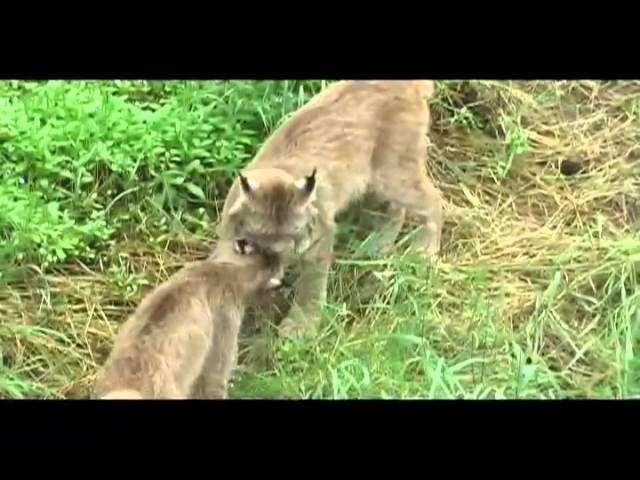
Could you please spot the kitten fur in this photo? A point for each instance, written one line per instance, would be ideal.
(181, 342)
(353, 138)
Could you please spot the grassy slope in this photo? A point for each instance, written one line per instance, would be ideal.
(107, 187)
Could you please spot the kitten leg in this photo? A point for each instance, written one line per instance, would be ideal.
(171, 391)
(210, 387)
(212, 382)
(222, 358)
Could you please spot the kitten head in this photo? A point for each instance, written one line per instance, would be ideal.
(262, 270)
(269, 262)
(273, 209)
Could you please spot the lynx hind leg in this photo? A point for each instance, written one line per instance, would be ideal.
(412, 190)
(389, 229)
(429, 214)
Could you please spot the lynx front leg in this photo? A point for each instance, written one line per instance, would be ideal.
(310, 291)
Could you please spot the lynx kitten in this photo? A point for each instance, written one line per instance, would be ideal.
(182, 340)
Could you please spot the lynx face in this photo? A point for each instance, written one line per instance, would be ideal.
(274, 211)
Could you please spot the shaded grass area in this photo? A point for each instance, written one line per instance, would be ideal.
(108, 187)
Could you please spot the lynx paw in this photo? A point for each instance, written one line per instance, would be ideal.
(385, 249)
(429, 253)
(293, 327)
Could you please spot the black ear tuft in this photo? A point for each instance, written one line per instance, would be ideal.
(310, 181)
(245, 184)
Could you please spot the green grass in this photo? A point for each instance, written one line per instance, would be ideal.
(108, 187)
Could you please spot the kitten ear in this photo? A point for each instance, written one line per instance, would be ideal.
(248, 186)
(307, 186)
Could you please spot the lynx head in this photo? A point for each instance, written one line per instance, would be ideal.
(274, 210)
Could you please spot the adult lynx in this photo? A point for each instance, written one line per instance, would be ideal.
(355, 137)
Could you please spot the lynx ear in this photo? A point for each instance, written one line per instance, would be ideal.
(247, 189)
(307, 186)
(248, 186)
(236, 207)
